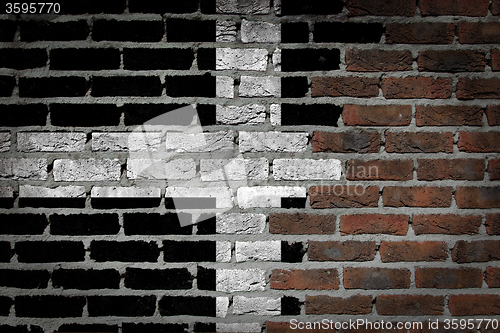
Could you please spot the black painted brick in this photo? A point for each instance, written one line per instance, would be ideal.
(122, 306)
(24, 279)
(94, 7)
(294, 86)
(205, 327)
(348, 32)
(292, 252)
(315, 114)
(130, 251)
(290, 306)
(133, 31)
(189, 251)
(295, 32)
(182, 30)
(87, 115)
(5, 252)
(154, 328)
(149, 59)
(49, 306)
(66, 328)
(23, 58)
(207, 226)
(191, 86)
(53, 31)
(81, 224)
(162, 6)
(23, 115)
(7, 30)
(321, 7)
(43, 251)
(186, 305)
(86, 279)
(7, 84)
(206, 58)
(126, 86)
(155, 224)
(52, 87)
(5, 305)
(22, 224)
(206, 278)
(52, 202)
(310, 60)
(84, 59)
(165, 279)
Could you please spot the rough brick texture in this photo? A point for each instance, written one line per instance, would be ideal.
(230, 165)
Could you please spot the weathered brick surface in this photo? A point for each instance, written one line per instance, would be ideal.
(192, 166)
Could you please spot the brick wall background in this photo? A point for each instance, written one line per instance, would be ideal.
(360, 140)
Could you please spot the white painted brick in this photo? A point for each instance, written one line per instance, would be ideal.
(304, 169)
(6, 192)
(263, 306)
(240, 223)
(277, 7)
(260, 32)
(4, 141)
(133, 141)
(29, 191)
(267, 196)
(234, 169)
(221, 306)
(279, 142)
(161, 169)
(251, 114)
(23, 168)
(260, 86)
(224, 195)
(258, 250)
(51, 142)
(200, 142)
(275, 110)
(241, 59)
(242, 6)
(238, 327)
(87, 170)
(223, 251)
(125, 192)
(225, 31)
(277, 60)
(231, 280)
(224, 86)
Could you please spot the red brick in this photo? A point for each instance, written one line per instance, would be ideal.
(376, 278)
(323, 304)
(286, 327)
(492, 277)
(318, 279)
(341, 251)
(495, 60)
(409, 305)
(479, 33)
(374, 224)
(423, 142)
(478, 197)
(344, 196)
(381, 8)
(493, 115)
(420, 33)
(416, 196)
(448, 115)
(448, 278)
(453, 61)
(495, 7)
(492, 224)
(494, 169)
(344, 86)
(476, 251)
(479, 142)
(416, 87)
(450, 224)
(456, 169)
(301, 224)
(379, 170)
(346, 142)
(478, 88)
(473, 305)
(378, 60)
(377, 115)
(454, 7)
(413, 251)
